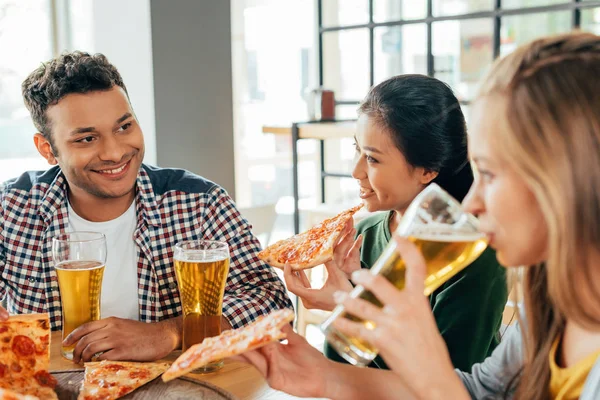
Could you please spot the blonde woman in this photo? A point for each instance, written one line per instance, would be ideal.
(535, 141)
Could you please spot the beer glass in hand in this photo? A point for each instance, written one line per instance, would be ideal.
(449, 239)
(201, 267)
(79, 259)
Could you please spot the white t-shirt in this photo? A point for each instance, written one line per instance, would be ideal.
(120, 282)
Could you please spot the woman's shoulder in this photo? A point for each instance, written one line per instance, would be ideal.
(374, 221)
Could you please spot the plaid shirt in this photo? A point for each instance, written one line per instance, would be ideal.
(171, 206)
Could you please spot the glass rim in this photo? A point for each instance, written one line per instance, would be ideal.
(66, 237)
(433, 189)
(220, 245)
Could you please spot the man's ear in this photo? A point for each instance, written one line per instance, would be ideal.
(427, 176)
(43, 146)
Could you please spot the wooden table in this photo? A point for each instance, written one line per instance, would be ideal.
(240, 379)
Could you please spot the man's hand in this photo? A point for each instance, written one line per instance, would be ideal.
(125, 340)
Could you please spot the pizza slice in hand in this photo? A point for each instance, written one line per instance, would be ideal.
(264, 330)
(109, 380)
(311, 248)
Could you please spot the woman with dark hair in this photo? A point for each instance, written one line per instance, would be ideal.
(411, 132)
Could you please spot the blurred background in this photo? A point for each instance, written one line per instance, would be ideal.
(207, 76)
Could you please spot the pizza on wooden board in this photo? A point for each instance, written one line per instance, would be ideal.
(25, 356)
(311, 248)
(264, 330)
(109, 380)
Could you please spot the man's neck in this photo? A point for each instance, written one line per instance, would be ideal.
(96, 209)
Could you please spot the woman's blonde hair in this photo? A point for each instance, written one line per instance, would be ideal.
(552, 92)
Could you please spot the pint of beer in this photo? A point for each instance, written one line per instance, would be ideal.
(449, 240)
(201, 267)
(79, 259)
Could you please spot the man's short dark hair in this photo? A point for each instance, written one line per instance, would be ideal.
(76, 72)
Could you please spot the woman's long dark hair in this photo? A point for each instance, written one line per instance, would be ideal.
(426, 123)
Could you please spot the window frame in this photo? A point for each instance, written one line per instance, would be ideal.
(496, 14)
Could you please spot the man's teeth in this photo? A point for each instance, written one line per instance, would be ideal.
(113, 171)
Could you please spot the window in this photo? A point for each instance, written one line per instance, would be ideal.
(22, 49)
(452, 40)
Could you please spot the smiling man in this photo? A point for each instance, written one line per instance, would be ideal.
(88, 131)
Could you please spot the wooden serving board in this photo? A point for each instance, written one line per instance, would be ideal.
(69, 384)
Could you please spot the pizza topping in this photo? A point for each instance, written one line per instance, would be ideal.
(15, 367)
(310, 248)
(114, 367)
(113, 379)
(140, 374)
(45, 379)
(23, 346)
(3, 329)
(3, 369)
(263, 330)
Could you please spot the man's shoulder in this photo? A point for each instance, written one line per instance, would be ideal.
(179, 180)
(29, 181)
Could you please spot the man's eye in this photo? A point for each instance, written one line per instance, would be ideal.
(87, 139)
(124, 127)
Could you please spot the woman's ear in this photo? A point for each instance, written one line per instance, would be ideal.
(427, 176)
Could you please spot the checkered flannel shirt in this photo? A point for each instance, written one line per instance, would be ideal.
(171, 206)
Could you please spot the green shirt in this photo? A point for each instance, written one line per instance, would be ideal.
(468, 308)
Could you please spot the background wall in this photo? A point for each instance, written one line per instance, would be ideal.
(191, 52)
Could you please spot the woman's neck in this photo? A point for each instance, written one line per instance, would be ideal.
(394, 220)
(577, 343)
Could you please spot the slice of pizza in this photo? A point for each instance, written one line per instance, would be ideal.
(6, 394)
(264, 330)
(108, 380)
(25, 356)
(311, 248)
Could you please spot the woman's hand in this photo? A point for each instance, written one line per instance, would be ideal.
(346, 259)
(406, 333)
(296, 367)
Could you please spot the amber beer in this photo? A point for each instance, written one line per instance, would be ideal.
(80, 284)
(201, 268)
(79, 259)
(449, 241)
(445, 255)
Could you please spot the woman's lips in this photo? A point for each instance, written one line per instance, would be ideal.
(365, 193)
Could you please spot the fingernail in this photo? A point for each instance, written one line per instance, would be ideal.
(339, 296)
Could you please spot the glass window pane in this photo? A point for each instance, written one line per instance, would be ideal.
(393, 10)
(345, 12)
(22, 49)
(346, 63)
(346, 111)
(530, 3)
(462, 51)
(519, 29)
(458, 7)
(400, 50)
(590, 20)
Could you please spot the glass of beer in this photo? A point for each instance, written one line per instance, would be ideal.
(201, 267)
(79, 259)
(449, 240)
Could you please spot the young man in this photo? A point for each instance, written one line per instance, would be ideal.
(88, 131)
